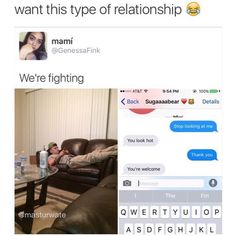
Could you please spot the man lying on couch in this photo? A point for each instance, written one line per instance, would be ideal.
(64, 157)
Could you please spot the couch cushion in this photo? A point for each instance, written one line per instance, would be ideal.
(77, 178)
(99, 144)
(62, 167)
(85, 171)
(76, 146)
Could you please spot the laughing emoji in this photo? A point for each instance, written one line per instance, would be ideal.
(193, 8)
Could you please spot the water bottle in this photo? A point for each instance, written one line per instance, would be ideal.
(43, 159)
(23, 160)
(17, 166)
(43, 172)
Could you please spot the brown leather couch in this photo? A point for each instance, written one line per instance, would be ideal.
(94, 212)
(81, 179)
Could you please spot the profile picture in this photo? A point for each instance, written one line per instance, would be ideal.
(32, 46)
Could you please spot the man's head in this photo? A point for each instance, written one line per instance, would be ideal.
(53, 148)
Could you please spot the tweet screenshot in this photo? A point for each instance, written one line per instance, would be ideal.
(116, 117)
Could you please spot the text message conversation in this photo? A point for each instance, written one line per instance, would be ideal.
(170, 162)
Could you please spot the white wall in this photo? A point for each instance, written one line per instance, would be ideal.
(49, 115)
(18, 119)
(113, 114)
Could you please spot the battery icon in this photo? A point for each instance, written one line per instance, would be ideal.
(213, 91)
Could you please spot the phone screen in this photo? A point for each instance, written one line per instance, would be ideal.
(170, 162)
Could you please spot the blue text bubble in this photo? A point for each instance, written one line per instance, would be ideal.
(202, 155)
(193, 126)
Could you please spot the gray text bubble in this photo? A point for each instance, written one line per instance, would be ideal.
(140, 140)
(143, 169)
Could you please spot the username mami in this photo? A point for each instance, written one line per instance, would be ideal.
(63, 41)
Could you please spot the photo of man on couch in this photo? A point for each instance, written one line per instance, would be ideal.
(85, 160)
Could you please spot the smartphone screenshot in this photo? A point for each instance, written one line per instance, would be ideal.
(170, 164)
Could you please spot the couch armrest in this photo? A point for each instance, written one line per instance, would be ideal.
(86, 214)
(108, 167)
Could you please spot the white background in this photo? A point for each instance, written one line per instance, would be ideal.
(214, 13)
